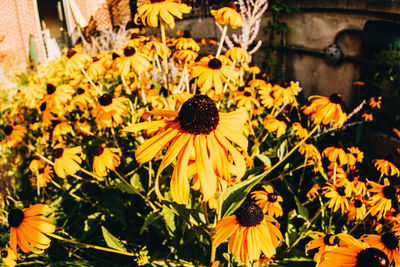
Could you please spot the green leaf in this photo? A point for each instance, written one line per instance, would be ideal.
(236, 194)
(264, 159)
(169, 218)
(135, 182)
(282, 150)
(150, 219)
(111, 240)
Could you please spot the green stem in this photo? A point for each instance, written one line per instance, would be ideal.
(92, 246)
(222, 41)
(163, 38)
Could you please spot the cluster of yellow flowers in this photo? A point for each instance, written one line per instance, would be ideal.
(201, 119)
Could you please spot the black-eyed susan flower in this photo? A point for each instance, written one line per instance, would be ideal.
(28, 228)
(314, 192)
(246, 100)
(109, 111)
(354, 155)
(388, 243)
(238, 54)
(326, 110)
(186, 55)
(357, 210)
(9, 257)
(44, 176)
(57, 97)
(66, 160)
(45, 114)
(228, 16)
(299, 131)
(353, 253)
(186, 42)
(268, 200)
(367, 115)
(322, 243)
(133, 59)
(381, 200)
(164, 10)
(272, 124)
(154, 48)
(285, 93)
(97, 68)
(375, 102)
(14, 134)
(336, 154)
(105, 159)
(61, 128)
(250, 232)
(83, 99)
(76, 61)
(211, 72)
(337, 197)
(197, 129)
(386, 167)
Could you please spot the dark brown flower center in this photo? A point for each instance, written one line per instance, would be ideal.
(8, 129)
(71, 53)
(95, 59)
(114, 56)
(389, 192)
(129, 51)
(241, 88)
(187, 34)
(15, 217)
(43, 106)
(41, 170)
(98, 150)
(50, 88)
(328, 238)
(340, 191)
(156, 1)
(249, 214)
(4, 254)
(105, 100)
(272, 197)
(199, 115)
(285, 85)
(215, 64)
(247, 93)
(58, 152)
(336, 98)
(357, 203)
(81, 91)
(390, 241)
(372, 257)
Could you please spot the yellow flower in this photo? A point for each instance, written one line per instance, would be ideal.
(163, 10)
(272, 124)
(186, 42)
(357, 210)
(28, 228)
(368, 116)
(197, 129)
(105, 159)
(133, 59)
(285, 93)
(97, 68)
(326, 110)
(388, 243)
(322, 243)
(354, 155)
(247, 100)
(185, 55)
(57, 97)
(268, 201)
(313, 193)
(83, 99)
(153, 48)
(386, 167)
(45, 114)
(9, 257)
(44, 176)
(109, 111)
(66, 160)
(213, 73)
(76, 61)
(14, 134)
(61, 128)
(250, 233)
(335, 154)
(228, 16)
(299, 131)
(375, 102)
(337, 197)
(238, 54)
(381, 201)
(353, 253)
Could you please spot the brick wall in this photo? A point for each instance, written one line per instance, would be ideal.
(17, 22)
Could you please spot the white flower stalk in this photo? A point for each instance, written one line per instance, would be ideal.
(251, 12)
